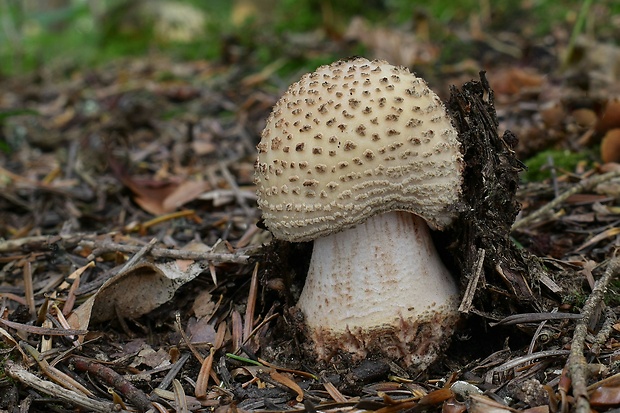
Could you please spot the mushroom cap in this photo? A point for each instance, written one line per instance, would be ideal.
(355, 139)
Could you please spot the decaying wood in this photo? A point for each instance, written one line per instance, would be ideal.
(472, 284)
(489, 205)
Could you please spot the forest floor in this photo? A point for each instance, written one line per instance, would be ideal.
(134, 276)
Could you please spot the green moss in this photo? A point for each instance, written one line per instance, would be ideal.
(539, 167)
(6, 146)
(575, 299)
(612, 296)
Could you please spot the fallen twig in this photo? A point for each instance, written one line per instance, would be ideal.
(112, 378)
(141, 252)
(472, 285)
(534, 318)
(20, 374)
(579, 187)
(44, 242)
(42, 330)
(53, 373)
(577, 365)
(604, 332)
(511, 364)
(102, 247)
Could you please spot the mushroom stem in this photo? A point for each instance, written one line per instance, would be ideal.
(380, 282)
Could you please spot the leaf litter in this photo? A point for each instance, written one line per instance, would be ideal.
(135, 277)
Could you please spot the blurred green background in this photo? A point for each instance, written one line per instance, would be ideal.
(68, 34)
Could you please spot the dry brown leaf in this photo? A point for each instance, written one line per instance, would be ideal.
(436, 397)
(158, 197)
(605, 396)
(203, 377)
(204, 305)
(513, 80)
(184, 193)
(201, 330)
(605, 393)
(334, 393)
(133, 292)
(154, 359)
(149, 195)
(152, 205)
(482, 404)
(288, 382)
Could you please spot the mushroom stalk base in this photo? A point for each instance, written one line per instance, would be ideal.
(380, 288)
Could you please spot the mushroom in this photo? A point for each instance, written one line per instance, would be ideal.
(361, 157)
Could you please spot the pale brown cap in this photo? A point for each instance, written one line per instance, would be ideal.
(351, 140)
